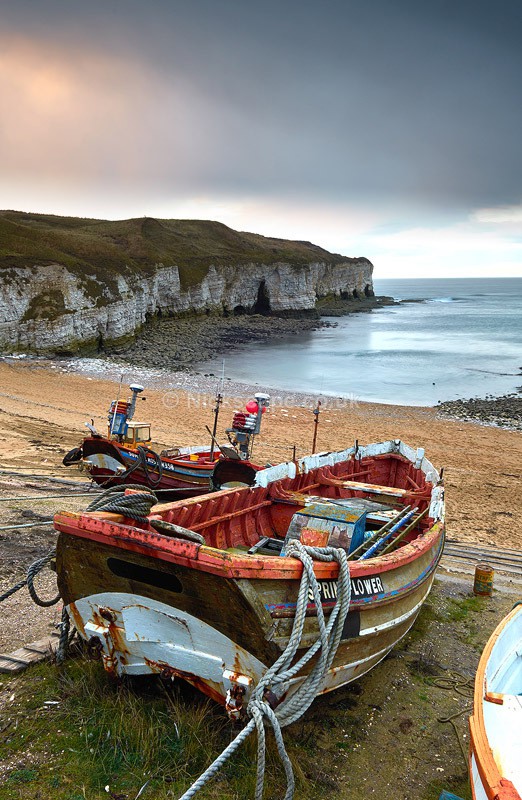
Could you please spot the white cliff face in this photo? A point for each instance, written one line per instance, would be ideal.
(48, 308)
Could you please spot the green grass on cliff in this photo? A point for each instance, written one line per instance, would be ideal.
(100, 250)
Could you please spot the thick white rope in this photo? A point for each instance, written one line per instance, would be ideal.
(282, 671)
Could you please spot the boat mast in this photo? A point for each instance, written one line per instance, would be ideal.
(116, 405)
(219, 400)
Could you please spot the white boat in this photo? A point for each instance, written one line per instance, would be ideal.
(496, 725)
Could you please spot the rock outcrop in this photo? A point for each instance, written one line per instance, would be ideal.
(70, 284)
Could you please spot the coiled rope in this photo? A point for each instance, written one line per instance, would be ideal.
(456, 684)
(281, 672)
(136, 505)
(32, 572)
(142, 462)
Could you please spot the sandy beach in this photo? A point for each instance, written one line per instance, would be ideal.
(43, 410)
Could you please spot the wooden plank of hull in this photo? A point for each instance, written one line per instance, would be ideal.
(173, 475)
(84, 570)
(188, 655)
(190, 487)
(224, 562)
(181, 473)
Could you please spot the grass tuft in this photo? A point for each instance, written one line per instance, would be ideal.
(72, 732)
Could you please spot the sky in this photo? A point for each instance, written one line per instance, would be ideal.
(389, 129)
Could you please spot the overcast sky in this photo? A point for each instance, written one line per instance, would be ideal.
(385, 128)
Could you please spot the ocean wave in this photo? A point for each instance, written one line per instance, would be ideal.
(446, 299)
(493, 372)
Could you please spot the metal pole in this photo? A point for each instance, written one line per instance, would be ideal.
(403, 533)
(376, 534)
(46, 497)
(219, 400)
(375, 546)
(116, 405)
(316, 413)
(47, 478)
(26, 525)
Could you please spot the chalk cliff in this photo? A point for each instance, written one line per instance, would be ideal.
(68, 283)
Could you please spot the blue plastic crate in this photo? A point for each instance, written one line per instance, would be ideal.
(448, 796)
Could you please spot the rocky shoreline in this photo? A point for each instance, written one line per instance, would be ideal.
(505, 412)
(177, 343)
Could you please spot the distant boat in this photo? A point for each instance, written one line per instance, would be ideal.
(496, 724)
(202, 589)
(124, 456)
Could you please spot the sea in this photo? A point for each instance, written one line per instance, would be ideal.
(458, 338)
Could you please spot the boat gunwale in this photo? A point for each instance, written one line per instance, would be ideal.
(107, 528)
(496, 786)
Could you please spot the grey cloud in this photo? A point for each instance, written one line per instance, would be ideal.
(404, 100)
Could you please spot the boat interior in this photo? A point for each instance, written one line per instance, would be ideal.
(345, 505)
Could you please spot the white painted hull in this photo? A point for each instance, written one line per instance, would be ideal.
(496, 725)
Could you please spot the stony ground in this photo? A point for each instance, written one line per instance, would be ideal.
(506, 411)
(178, 342)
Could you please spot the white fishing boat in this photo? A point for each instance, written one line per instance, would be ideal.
(496, 724)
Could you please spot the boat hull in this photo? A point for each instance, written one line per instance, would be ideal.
(495, 763)
(110, 463)
(191, 592)
(146, 614)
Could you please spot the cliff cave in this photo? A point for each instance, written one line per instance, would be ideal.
(262, 304)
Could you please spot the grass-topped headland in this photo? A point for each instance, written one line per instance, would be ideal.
(103, 248)
(69, 284)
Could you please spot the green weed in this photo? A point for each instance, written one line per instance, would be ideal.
(457, 784)
(459, 610)
(72, 732)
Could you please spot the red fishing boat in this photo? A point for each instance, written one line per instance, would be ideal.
(206, 589)
(124, 455)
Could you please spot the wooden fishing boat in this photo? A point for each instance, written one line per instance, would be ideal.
(125, 455)
(496, 725)
(185, 471)
(202, 589)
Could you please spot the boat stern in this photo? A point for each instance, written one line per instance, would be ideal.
(135, 635)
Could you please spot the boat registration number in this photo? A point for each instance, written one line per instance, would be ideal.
(368, 586)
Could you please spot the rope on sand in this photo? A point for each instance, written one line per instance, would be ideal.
(32, 572)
